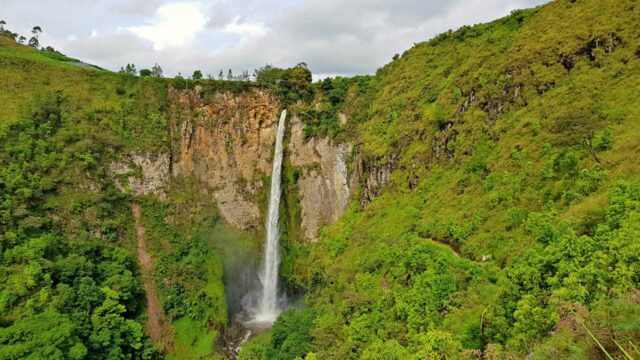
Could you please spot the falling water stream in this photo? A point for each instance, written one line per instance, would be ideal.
(263, 302)
(269, 304)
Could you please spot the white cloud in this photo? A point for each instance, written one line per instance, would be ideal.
(133, 7)
(243, 28)
(354, 37)
(332, 36)
(175, 24)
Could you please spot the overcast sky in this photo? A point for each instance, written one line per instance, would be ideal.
(334, 37)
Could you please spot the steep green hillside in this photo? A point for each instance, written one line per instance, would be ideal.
(509, 224)
(71, 283)
(497, 217)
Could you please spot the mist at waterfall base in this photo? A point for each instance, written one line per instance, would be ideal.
(266, 302)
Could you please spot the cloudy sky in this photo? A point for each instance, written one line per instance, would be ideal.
(334, 37)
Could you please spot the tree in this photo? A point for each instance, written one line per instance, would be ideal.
(180, 82)
(145, 72)
(34, 42)
(22, 39)
(128, 69)
(295, 83)
(230, 75)
(112, 332)
(220, 75)
(28, 338)
(197, 75)
(5, 31)
(268, 75)
(156, 71)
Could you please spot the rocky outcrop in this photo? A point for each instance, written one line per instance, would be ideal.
(376, 175)
(325, 185)
(226, 140)
(142, 173)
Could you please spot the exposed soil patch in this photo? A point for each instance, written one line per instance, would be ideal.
(157, 326)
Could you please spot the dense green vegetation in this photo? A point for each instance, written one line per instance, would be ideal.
(289, 338)
(64, 294)
(188, 273)
(66, 232)
(291, 85)
(507, 226)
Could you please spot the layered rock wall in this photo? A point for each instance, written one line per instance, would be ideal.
(325, 184)
(226, 140)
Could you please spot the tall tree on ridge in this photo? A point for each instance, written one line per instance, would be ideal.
(156, 71)
(34, 42)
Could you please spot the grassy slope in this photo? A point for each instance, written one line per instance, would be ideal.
(422, 90)
(129, 109)
(113, 114)
(475, 179)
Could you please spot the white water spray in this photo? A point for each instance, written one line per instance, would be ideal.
(269, 303)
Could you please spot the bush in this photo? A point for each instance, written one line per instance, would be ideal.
(290, 338)
(290, 335)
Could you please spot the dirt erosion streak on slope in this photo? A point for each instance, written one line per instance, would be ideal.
(157, 325)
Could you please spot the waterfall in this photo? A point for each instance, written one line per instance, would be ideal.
(269, 303)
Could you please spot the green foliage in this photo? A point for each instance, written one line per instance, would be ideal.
(501, 212)
(188, 272)
(323, 116)
(291, 231)
(335, 90)
(290, 335)
(52, 54)
(257, 348)
(179, 82)
(269, 75)
(84, 287)
(504, 151)
(291, 85)
(193, 338)
(28, 337)
(289, 339)
(319, 122)
(604, 141)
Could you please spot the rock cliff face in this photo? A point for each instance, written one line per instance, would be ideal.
(325, 185)
(145, 173)
(226, 140)
(376, 175)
